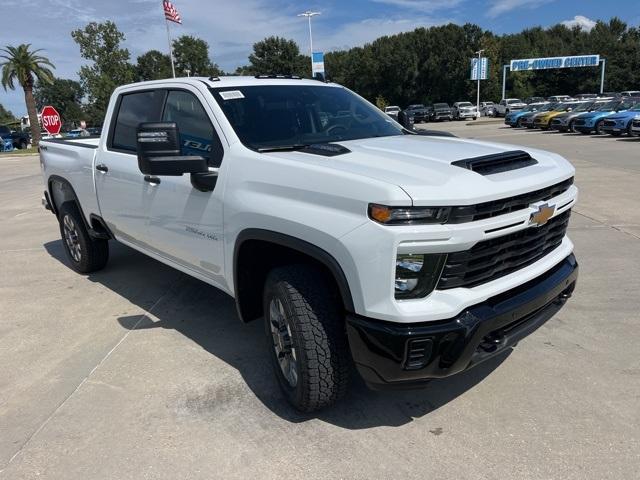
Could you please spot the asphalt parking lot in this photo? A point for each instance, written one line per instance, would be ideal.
(139, 371)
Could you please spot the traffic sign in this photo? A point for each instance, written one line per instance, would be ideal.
(51, 121)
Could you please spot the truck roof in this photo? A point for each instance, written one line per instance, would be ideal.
(236, 81)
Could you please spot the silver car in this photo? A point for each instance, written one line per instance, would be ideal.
(462, 110)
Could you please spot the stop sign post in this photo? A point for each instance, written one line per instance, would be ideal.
(51, 121)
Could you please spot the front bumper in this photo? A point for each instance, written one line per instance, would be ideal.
(399, 355)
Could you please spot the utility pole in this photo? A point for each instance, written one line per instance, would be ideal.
(310, 14)
(478, 71)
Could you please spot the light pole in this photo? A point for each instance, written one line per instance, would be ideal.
(478, 70)
(310, 14)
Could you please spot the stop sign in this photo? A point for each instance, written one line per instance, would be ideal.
(51, 121)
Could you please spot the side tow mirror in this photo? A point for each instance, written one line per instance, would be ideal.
(158, 146)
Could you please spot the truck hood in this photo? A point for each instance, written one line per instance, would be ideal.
(421, 166)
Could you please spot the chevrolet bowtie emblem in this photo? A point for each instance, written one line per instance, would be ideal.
(542, 216)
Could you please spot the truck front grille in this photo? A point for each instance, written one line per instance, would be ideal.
(491, 259)
(480, 211)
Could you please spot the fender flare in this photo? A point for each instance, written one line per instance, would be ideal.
(102, 233)
(302, 246)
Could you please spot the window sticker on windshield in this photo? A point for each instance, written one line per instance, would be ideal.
(231, 95)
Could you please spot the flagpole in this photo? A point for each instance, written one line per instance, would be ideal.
(173, 68)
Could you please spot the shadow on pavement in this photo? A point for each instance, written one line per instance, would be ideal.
(208, 317)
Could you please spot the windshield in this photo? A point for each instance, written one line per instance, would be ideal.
(465, 104)
(392, 109)
(513, 100)
(281, 116)
(440, 105)
(414, 107)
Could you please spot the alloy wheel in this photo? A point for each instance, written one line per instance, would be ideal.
(71, 238)
(282, 342)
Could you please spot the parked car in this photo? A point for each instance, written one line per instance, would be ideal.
(564, 121)
(530, 100)
(487, 109)
(78, 132)
(526, 120)
(97, 131)
(464, 110)
(514, 119)
(18, 139)
(620, 122)
(635, 125)
(543, 120)
(560, 98)
(508, 105)
(630, 93)
(440, 111)
(586, 96)
(592, 121)
(347, 262)
(392, 111)
(418, 112)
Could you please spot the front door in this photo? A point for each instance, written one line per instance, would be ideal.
(186, 224)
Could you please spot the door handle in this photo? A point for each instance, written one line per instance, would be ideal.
(102, 168)
(152, 180)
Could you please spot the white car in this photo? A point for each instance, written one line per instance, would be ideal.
(411, 256)
(507, 105)
(392, 111)
(464, 110)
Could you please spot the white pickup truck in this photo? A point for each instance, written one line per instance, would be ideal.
(410, 256)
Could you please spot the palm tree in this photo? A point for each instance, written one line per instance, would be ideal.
(23, 65)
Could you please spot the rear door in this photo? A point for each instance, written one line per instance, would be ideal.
(185, 223)
(124, 196)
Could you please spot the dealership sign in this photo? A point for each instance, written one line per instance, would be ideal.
(555, 62)
(317, 64)
(479, 68)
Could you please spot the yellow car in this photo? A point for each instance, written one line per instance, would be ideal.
(542, 120)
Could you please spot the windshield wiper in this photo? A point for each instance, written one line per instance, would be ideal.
(283, 148)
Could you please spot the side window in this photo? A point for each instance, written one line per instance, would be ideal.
(135, 108)
(197, 135)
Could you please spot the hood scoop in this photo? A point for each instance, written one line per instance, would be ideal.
(326, 149)
(497, 162)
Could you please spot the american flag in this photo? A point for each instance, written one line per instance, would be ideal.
(170, 12)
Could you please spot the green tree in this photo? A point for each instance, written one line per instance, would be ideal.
(153, 65)
(277, 56)
(6, 116)
(22, 65)
(100, 43)
(65, 95)
(192, 54)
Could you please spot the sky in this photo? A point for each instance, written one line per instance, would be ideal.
(231, 27)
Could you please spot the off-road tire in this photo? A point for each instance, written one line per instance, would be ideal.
(314, 314)
(93, 252)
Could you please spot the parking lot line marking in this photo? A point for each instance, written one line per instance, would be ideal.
(614, 227)
(170, 290)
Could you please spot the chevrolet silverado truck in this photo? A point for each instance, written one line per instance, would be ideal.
(359, 243)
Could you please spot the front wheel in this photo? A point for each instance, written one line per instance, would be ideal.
(85, 253)
(306, 336)
(598, 128)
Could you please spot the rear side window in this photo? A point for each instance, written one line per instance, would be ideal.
(197, 136)
(135, 108)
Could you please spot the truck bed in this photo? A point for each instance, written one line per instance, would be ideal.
(72, 160)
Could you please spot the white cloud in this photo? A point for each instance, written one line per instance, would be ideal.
(422, 5)
(581, 21)
(500, 7)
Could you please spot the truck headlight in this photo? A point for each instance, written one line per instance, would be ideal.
(417, 274)
(408, 215)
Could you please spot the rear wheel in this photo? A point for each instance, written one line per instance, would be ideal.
(85, 253)
(306, 336)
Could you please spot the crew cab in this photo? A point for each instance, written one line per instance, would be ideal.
(507, 105)
(418, 112)
(410, 255)
(440, 111)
